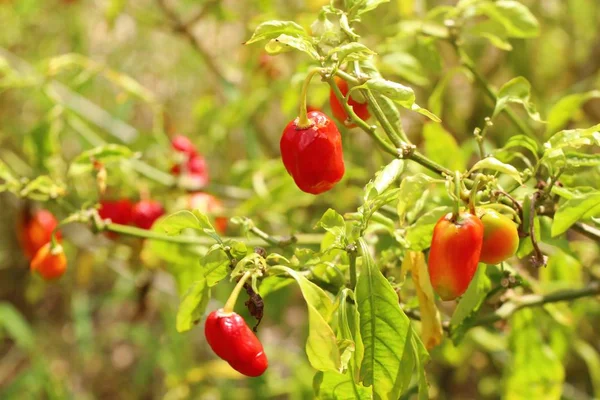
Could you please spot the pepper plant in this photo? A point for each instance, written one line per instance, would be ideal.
(445, 246)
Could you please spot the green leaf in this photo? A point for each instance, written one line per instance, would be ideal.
(520, 141)
(497, 165)
(516, 18)
(575, 209)
(333, 385)
(441, 147)
(353, 51)
(412, 189)
(420, 233)
(215, 265)
(574, 138)
(385, 177)
(272, 29)
(421, 357)
(175, 223)
(105, 155)
(535, 372)
(517, 90)
(334, 223)
(16, 326)
(314, 295)
(285, 43)
(192, 306)
(565, 108)
(397, 92)
(349, 328)
(362, 6)
(469, 304)
(384, 329)
(321, 345)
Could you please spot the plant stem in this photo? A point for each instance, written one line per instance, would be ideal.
(534, 300)
(587, 230)
(306, 239)
(370, 130)
(230, 304)
(303, 121)
(352, 250)
(538, 258)
(281, 242)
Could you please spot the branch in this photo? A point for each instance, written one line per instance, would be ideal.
(184, 29)
(536, 300)
(587, 230)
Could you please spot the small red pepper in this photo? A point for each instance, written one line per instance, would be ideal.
(49, 263)
(454, 254)
(145, 212)
(313, 154)
(36, 230)
(360, 109)
(183, 144)
(233, 341)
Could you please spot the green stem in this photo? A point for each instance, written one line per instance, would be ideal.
(385, 123)
(511, 307)
(491, 93)
(230, 304)
(359, 122)
(457, 195)
(305, 239)
(303, 121)
(352, 250)
(281, 242)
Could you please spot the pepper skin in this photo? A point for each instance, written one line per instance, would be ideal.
(50, 265)
(454, 254)
(183, 144)
(209, 204)
(232, 340)
(117, 211)
(144, 213)
(500, 238)
(360, 109)
(313, 155)
(36, 230)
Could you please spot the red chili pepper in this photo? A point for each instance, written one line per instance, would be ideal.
(36, 230)
(233, 341)
(360, 109)
(195, 169)
(50, 264)
(500, 238)
(454, 254)
(145, 212)
(117, 211)
(184, 145)
(313, 155)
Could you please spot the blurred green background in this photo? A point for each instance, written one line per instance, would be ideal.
(107, 330)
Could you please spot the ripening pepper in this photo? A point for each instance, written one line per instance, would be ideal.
(360, 109)
(49, 263)
(35, 231)
(454, 254)
(313, 154)
(232, 340)
(500, 238)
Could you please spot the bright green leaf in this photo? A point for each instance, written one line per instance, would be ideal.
(192, 306)
(573, 210)
(272, 29)
(497, 165)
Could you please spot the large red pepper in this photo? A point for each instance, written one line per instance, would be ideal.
(454, 254)
(232, 340)
(500, 238)
(313, 154)
(360, 109)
